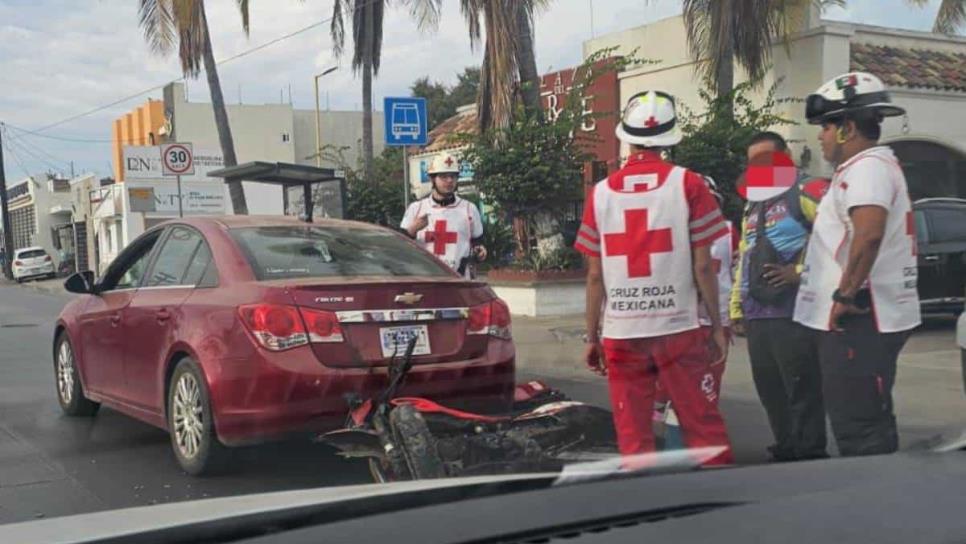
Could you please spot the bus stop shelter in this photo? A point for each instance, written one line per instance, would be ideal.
(292, 175)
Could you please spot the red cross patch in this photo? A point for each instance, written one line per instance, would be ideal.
(440, 237)
(651, 122)
(637, 243)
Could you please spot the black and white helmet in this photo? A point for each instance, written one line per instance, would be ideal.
(854, 92)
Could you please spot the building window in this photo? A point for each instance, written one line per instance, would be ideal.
(23, 226)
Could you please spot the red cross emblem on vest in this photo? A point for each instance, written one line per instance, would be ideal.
(440, 237)
(637, 243)
(911, 231)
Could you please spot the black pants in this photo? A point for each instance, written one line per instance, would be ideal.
(859, 370)
(785, 368)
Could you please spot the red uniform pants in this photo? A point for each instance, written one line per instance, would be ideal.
(681, 363)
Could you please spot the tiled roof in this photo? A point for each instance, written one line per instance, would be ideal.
(444, 135)
(916, 68)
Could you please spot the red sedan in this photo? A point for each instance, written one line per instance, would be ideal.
(234, 330)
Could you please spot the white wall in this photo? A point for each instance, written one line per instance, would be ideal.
(260, 133)
(338, 129)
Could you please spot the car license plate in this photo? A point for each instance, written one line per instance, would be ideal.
(395, 339)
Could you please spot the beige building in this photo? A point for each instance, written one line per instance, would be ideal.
(925, 73)
(40, 211)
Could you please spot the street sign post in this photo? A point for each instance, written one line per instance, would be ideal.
(406, 124)
(177, 160)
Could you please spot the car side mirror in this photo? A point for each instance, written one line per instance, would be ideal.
(81, 283)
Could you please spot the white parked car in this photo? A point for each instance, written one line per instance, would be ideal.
(32, 262)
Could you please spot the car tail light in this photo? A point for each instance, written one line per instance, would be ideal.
(47, 258)
(492, 318)
(18, 263)
(323, 326)
(276, 327)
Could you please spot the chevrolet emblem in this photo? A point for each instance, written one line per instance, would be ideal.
(408, 298)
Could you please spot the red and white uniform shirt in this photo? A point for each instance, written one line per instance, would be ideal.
(722, 251)
(450, 230)
(870, 178)
(642, 222)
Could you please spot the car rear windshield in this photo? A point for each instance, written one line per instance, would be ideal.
(311, 251)
(32, 254)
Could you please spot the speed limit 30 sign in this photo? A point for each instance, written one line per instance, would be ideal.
(177, 160)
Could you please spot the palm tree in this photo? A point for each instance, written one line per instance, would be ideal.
(721, 32)
(367, 19)
(167, 22)
(509, 60)
(951, 16)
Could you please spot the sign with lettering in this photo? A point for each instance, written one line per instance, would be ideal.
(160, 198)
(143, 162)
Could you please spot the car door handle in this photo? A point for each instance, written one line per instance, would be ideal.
(115, 319)
(931, 258)
(163, 315)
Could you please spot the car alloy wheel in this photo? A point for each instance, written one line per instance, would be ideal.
(188, 416)
(70, 394)
(65, 373)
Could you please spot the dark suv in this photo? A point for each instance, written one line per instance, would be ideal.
(941, 234)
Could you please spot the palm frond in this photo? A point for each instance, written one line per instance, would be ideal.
(191, 28)
(378, 16)
(951, 16)
(426, 13)
(154, 18)
(245, 15)
(471, 10)
(337, 26)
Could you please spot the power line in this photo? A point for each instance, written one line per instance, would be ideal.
(217, 63)
(30, 154)
(20, 149)
(34, 146)
(16, 158)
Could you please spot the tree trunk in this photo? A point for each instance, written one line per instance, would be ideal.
(235, 190)
(367, 151)
(725, 78)
(526, 60)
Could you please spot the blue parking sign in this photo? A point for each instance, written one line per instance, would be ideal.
(405, 121)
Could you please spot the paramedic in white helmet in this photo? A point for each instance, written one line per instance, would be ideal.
(858, 285)
(448, 226)
(647, 232)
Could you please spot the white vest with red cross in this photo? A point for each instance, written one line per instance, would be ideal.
(449, 232)
(892, 280)
(646, 257)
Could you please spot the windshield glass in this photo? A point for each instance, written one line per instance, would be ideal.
(32, 254)
(295, 246)
(304, 252)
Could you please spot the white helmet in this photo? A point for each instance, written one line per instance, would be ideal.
(850, 93)
(649, 120)
(444, 163)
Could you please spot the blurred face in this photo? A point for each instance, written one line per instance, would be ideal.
(761, 147)
(445, 184)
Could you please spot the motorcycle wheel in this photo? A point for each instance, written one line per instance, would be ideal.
(412, 434)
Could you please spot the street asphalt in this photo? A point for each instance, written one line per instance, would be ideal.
(51, 465)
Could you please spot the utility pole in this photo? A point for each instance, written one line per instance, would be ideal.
(7, 234)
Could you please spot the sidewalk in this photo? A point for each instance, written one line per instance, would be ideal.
(53, 287)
